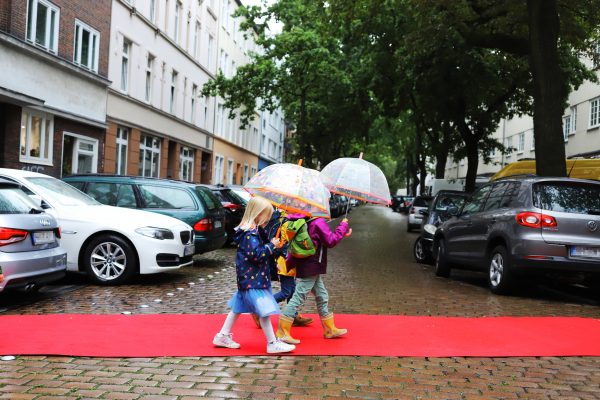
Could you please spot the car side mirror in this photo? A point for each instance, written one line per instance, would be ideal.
(424, 212)
(452, 211)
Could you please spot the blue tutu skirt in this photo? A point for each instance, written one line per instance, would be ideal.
(254, 301)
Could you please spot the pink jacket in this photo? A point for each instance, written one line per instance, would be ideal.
(323, 238)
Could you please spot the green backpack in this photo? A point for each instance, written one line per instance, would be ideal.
(300, 243)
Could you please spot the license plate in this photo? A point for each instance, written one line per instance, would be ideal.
(218, 224)
(585, 252)
(189, 249)
(43, 237)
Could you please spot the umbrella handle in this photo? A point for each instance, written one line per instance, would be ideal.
(347, 207)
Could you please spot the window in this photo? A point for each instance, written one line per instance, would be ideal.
(569, 123)
(80, 154)
(122, 140)
(197, 32)
(37, 134)
(149, 68)
(220, 112)
(125, 65)
(112, 194)
(532, 140)
(245, 177)
(177, 22)
(149, 156)
(495, 198)
(219, 160)
(42, 24)
(230, 172)
(193, 105)
(155, 196)
(87, 43)
(594, 113)
(152, 13)
(186, 164)
(521, 144)
(510, 196)
(253, 169)
(172, 95)
(210, 50)
(477, 201)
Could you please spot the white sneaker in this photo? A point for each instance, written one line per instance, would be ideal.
(279, 347)
(222, 340)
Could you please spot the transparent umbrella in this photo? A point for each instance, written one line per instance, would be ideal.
(292, 188)
(357, 178)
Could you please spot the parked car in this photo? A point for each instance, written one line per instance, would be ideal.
(335, 207)
(523, 225)
(414, 213)
(239, 190)
(110, 244)
(193, 204)
(397, 202)
(30, 255)
(434, 216)
(405, 205)
(235, 207)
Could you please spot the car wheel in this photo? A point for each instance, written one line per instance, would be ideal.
(500, 274)
(109, 260)
(420, 252)
(442, 266)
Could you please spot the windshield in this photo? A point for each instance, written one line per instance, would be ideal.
(569, 197)
(57, 191)
(235, 198)
(243, 194)
(445, 201)
(15, 201)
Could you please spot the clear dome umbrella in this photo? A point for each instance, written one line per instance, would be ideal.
(357, 178)
(292, 188)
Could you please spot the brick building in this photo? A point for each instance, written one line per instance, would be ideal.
(53, 85)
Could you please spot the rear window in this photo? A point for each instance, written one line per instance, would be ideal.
(210, 200)
(570, 197)
(234, 197)
(166, 197)
(15, 201)
(421, 202)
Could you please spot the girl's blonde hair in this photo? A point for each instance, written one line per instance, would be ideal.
(252, 217)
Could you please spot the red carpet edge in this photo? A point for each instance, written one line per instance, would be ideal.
(191, 335)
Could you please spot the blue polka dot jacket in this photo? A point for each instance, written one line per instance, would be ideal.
(252, 259)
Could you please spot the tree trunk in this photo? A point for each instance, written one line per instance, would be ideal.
(441, 157)
(472, 164)
(305, 149)
(550, 89)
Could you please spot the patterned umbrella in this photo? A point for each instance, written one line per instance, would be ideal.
(292, 188)
(357, 178)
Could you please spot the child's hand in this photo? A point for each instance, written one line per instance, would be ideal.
(349, 232)
(276, 241)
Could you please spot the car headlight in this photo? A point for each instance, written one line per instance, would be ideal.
(156, 233)
(430, 229)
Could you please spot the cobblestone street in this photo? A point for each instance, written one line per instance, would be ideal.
(373, 272)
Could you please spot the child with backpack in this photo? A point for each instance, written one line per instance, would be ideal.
(253, 277)
(307, 253)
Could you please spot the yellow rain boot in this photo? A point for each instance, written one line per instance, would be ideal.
(329, 327)
(283, 330)
(301, 321)
(256, 321)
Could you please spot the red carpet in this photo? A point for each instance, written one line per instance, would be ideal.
(369, 335)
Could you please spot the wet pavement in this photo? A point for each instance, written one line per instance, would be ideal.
(373, 272)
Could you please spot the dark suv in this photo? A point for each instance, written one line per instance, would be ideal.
(522, 225)
(191, 203)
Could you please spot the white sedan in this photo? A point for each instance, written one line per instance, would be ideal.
(110, 244)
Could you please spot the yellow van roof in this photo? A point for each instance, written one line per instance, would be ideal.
(582, 168)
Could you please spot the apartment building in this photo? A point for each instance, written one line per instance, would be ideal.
(236, 150)
(53, 85)
(581, 130)
(272, 138)
(161, 53)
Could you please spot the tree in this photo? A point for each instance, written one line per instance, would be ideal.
(552, 36)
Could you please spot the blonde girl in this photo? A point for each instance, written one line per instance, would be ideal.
(253, 278)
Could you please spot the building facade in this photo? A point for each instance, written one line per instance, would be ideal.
(581, 130)
(236, 150)
(53, 84)
(162, 52)
(272, 138)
